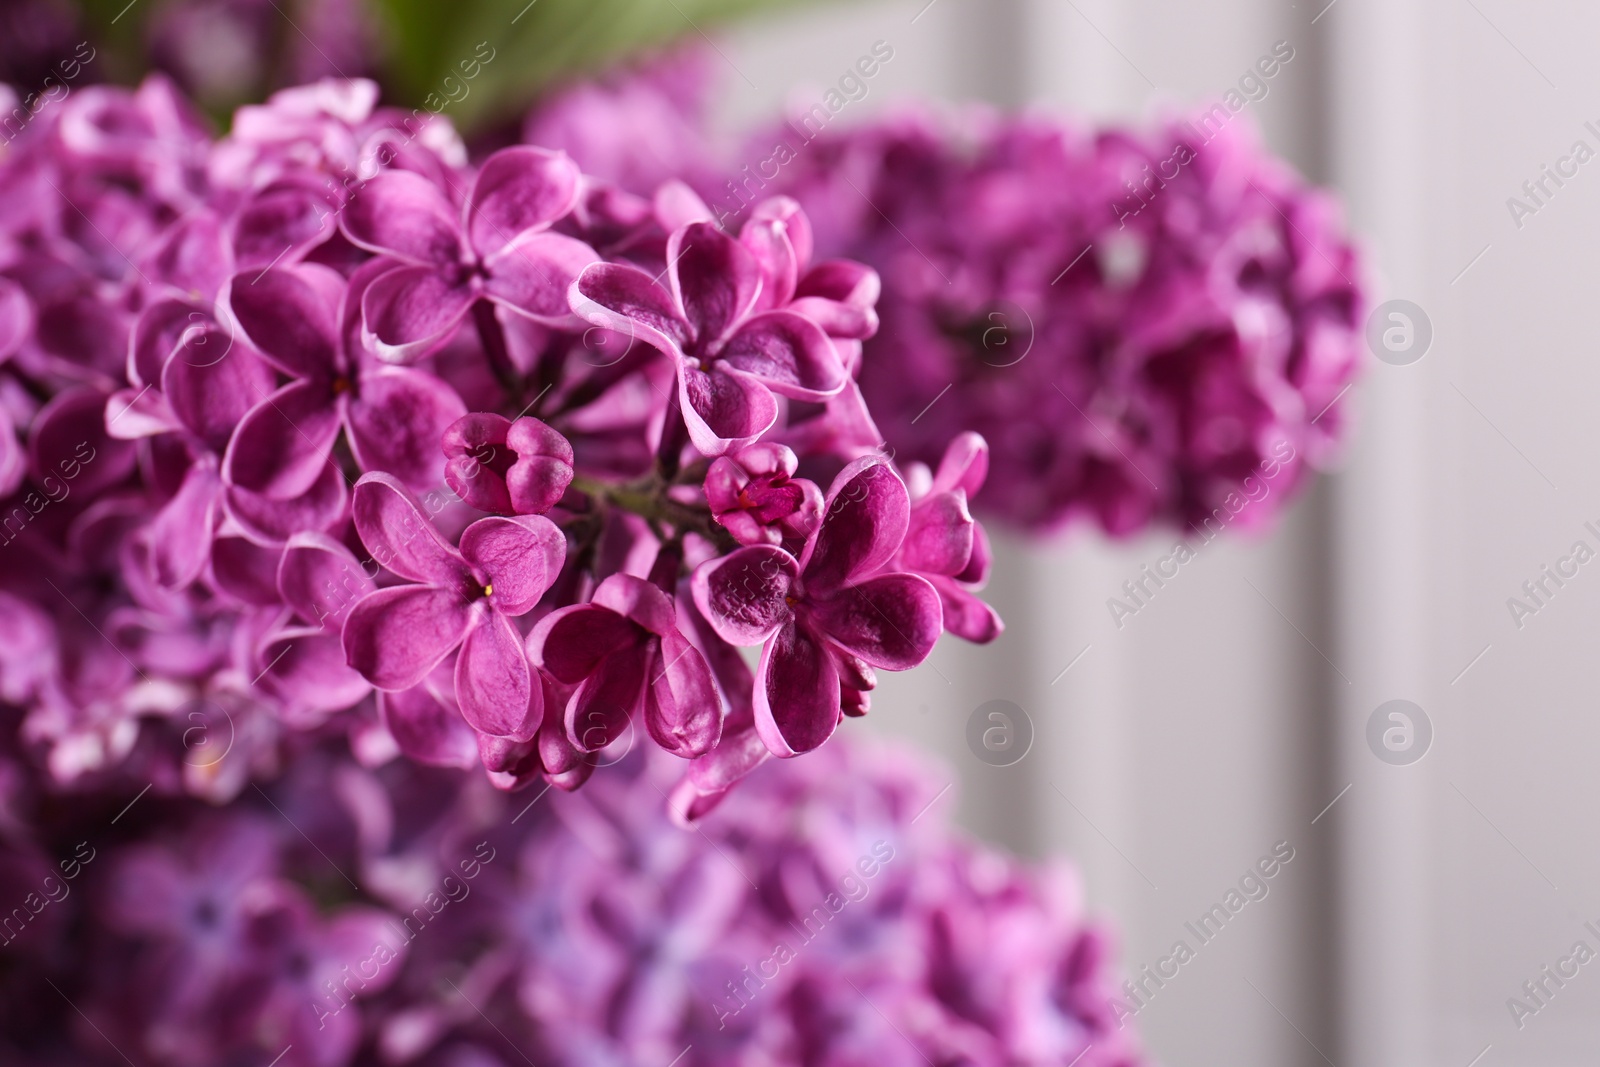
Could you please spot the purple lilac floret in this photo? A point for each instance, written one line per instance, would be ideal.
(326, 428)
(350, 916)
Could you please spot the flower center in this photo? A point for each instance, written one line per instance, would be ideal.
(341, 385)
(470, 273)
(488, 590)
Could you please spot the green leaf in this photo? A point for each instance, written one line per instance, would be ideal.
(535, 43)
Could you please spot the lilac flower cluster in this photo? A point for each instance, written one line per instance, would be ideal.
(325, 428)
(352, 917)
(1136, 320)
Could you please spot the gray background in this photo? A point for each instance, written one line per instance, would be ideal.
(1230, 713)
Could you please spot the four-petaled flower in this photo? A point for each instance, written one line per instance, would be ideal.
(826, 620)
(732, 352)
(497, 247)
(305, 320)
(462, 598)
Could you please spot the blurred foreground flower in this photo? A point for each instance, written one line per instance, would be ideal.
(413, 916)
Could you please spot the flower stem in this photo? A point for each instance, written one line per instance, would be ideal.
(648, 499)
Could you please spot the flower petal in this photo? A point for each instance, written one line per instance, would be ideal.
(411, 311)
(565, 765)
(494, 685)
(976, 572)
(626, 299)
(269, 521)
(395, 636)
(682, 709)
(401, 538)
(292, 315)
(743, 594)
(840, 296)
(397, 420)
(569, 642)
(543, 469)
(135, 413)
(320, 580)
(714, 278)
(709, 777)
(283, 444)
(426, 729)
(864, 521)
(180, 534)
(965, 614)
(766, 235)
(305, 668)
(519, 189)
(605, 703)
(891, 621)
(156, 334)
(194, 257)
(211, 382)
(724, 410)
(403, 214)
(282, 222)
(518, 556)
(13, 460)
(797, 692)
(676, 205)
(16, 317)
(532, 276)
(939, 535)
(638, 601)
(475, 448)
(68, 444)
(789, 353)
(246, 571)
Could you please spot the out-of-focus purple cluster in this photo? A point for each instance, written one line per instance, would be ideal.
(324, 428)
(408, 915)
(1152, 325)
(220, 52)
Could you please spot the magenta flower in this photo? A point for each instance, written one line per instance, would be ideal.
(303, 662)
(457, 598)
(625, 655)
(507, 468)
(825, 621)
(316, 971)
(757, 498)
(16, 318)
(733, 349)
(497, 247)
(947, 546)
(194, 899)
(304, 320)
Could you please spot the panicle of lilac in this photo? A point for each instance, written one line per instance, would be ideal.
(312, 430)
(1147, 325)
(406, 915)
(828, 917)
